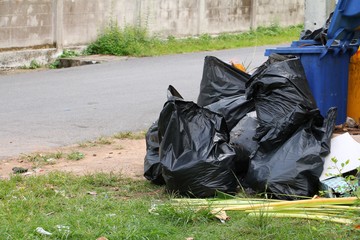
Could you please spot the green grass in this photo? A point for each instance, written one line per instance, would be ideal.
(75, 156)
(39, 159)
(117, 208)
(136, 41)
(109, 140)
(130, 135)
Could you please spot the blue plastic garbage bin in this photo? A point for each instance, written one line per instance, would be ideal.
(327, 66)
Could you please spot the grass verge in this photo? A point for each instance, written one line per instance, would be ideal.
(112, 206)
(136, 41)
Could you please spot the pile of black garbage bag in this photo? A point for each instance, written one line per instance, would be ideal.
(262, 132)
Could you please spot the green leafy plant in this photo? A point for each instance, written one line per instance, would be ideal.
(34, 64)
(351, 187)
(43, 158)
(136, 41)
(130, 135)
(75, 156)
(65, 54)
(130, 40)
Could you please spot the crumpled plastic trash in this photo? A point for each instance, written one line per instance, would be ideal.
(222, 90)
(283, 99)
(292, 170)
(197, 159)
(152, 165)
(43, 231)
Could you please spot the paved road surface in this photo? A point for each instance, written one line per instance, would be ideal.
(52, 108)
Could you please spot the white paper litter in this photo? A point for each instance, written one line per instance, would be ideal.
(42, 231)
(343, 148)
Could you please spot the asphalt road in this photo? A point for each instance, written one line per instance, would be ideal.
(52, 108)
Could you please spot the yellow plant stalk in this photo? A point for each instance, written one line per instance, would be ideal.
(329, 209)
(306, 216)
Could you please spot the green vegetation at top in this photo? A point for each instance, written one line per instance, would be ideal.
(136, 41)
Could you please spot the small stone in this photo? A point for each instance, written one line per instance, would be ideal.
(351, 123)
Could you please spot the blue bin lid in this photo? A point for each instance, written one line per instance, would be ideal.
(342, 35)
(300, 47)
(345, 24)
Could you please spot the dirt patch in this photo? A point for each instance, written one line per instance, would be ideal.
(122, 155)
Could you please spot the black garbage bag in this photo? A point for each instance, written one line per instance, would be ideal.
(292, 170)
(241, 138)
(196, 157)
(233, 109)
(220, 80)
(152, 166)
(222, 90)
(319, 35)
(283, 100)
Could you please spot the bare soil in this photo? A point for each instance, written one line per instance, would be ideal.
(124, 156)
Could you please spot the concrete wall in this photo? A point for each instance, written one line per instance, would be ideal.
(282, 12)
(317, 12)
(63, 23)
(26, 23)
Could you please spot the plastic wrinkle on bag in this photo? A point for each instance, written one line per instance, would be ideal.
(283, 100)
(220, 80)
(152, 166)
(241, 138)
(195, 155)
(233, 109)
(222, 90)
(293, 169)
(319, 35)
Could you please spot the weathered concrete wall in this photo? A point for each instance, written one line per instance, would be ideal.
(317, 12)
(28, 23)
(282, 12)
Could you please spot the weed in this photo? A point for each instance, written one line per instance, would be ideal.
(351, 180)
(130, 40)
(130, 135)
(65, 54)
(75, 156)
(104, 141)
(33, 65)
(69, 53)
(136, 41)
(43, 158)
(87, 144)
(98, 141)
